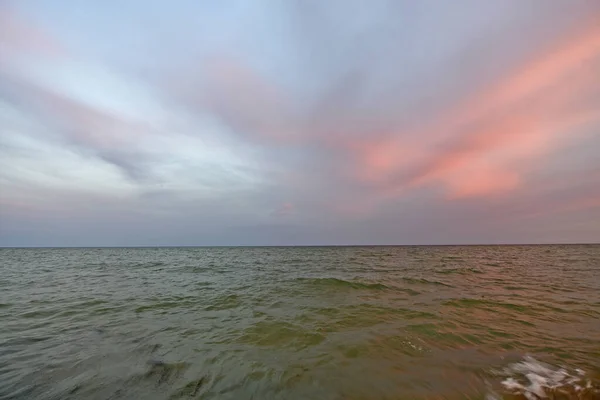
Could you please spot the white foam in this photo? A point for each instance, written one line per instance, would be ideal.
(533, 379)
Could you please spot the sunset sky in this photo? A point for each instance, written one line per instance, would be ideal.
(187, 122)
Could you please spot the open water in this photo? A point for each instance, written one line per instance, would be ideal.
(451, 322)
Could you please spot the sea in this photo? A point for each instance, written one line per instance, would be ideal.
(415, 322)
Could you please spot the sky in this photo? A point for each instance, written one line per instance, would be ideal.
(299, 122)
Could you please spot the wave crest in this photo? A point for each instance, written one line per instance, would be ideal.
(535, 380)
(335, 282)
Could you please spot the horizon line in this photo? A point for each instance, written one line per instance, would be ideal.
(307, 245)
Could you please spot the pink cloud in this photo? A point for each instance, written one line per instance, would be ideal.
(19, 37)
(244, 99)
(484, 145)
(483, 182)
(494, 138)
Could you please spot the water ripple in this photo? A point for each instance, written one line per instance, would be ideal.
(475, 322)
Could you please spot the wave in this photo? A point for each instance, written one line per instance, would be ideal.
(167, 303)
(460, 271)
(468, 303)
(277, 333)
(224, 302)
(335, 282)
(534, 380)
(163, 305)
(424, 282)
(362, 285)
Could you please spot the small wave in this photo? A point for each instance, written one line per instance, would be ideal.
(409, 291)
(158, 306)
(536, 380)
(194, 269)
(163, 372)
(144, 265)
(493, 264)
(167, 303)
(192, 388)
(280, 334)
(224, 302)
(108, 310)
(515, 288)
(452, 258)
(40, 313)
(358, 316)
(424, 281)
(25, 341)
(468, 303)
(334, 282)
(459, 271)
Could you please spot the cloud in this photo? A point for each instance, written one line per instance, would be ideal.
(248, 102)
(387, 123)
(478, 148)
(523, 117)
(71, 152)
(345, 146)
(284, 209)
(19, 37)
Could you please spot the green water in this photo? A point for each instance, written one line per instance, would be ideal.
(300, 323)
